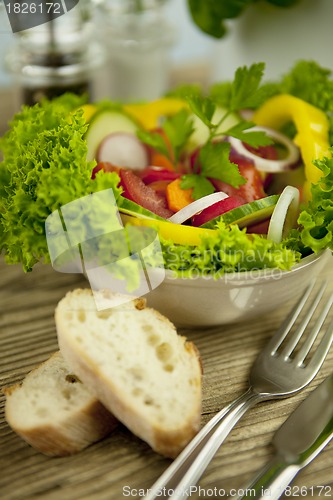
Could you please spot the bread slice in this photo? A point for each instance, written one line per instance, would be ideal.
(54, 412)
(136, 364)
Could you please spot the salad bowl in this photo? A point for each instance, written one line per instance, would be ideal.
(242, 209)
(235, 297)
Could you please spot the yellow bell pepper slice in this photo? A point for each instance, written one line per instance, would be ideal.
(181, 235)
(149, 114)
(88, 111)
(312, 130)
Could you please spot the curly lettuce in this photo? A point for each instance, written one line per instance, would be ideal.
(44, 167)
(230, 250)
(316, 219)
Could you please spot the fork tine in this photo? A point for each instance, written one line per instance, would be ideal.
(304, 351)
(324, 346)
(295, 337)
(287, 324)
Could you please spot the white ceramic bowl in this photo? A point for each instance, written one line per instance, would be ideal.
(235, 297)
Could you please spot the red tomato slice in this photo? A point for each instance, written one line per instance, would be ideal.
(260, 228)
(156, 174)
(136, 190)
(106, 166)
(159, 187)
(253, 189)
(269, 152)
(217, 209)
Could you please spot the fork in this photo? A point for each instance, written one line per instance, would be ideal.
(278, 372)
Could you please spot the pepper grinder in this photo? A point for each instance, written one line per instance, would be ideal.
(56, 57)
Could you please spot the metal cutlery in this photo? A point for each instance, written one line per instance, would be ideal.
(279, 371)
(297, 442)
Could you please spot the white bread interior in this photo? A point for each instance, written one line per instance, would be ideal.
(54, 412)
(132, 359)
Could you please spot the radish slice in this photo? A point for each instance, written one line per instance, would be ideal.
(284, 216)
(197, 206)
(263, 164)
(124, 150)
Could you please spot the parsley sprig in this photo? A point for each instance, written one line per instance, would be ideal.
(213, 160)
(177, 128)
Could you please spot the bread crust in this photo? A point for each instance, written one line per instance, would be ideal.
(166, 441)
(61, 436)
(72, 436)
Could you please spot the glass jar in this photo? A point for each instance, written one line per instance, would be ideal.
(138, 38)
(57, 57)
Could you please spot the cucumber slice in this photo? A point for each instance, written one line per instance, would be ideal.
(129, 207)
(106, 122)
(248, 214)
(201, 131)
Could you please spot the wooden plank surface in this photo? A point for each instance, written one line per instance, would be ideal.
(121, 464)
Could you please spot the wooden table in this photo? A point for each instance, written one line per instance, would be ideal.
(27, 337)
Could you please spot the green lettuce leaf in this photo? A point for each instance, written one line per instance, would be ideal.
(230, 250)
(44, 167)
(316, 219)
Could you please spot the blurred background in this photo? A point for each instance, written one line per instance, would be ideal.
(139, 49)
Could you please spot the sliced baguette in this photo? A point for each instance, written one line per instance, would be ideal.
(136, 364)
(54, 412)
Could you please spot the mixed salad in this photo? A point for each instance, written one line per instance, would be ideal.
(234, 179)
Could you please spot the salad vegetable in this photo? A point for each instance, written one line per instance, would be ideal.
(172, 233)
(286, 210)
(273, 164)
(197, 206)
(106, 120)
(316, 219)
(228, 250)
(212, 159)
(123, 148)
(213, 209)
(44, 167)
(178, 198)
(237, 213)
(312, 130)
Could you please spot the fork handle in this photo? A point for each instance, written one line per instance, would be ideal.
(271, 482)
(179, 480)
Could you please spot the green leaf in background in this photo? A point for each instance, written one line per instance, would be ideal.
(221, 93)
(209, 15)
(185, 90)
(310, 82)
(283, 3)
